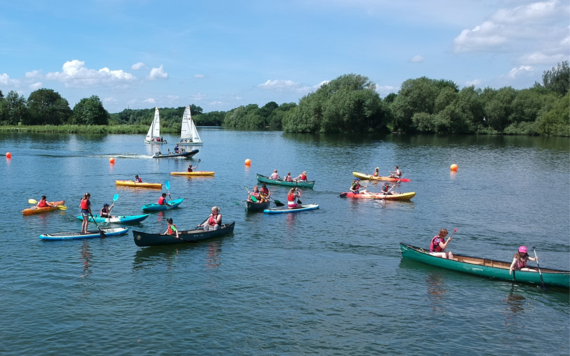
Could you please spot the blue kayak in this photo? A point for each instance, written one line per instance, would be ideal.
(287, 210)
(156, 207)
(79, 236)
(124, 219)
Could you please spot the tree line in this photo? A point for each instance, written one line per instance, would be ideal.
(348, 103)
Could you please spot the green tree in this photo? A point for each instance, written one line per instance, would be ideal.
(90, 111)
(557, 79)
(415, 96)
(47, 107)
(557, 120)
(17, 106)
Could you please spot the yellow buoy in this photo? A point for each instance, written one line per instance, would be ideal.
(247, 162)
(112, 160)
(453, 167)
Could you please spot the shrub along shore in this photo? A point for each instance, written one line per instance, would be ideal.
(85, 129)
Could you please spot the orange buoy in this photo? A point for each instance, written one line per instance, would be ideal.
(8, 155)
(453, 167)
(247, 162)
(112, 160)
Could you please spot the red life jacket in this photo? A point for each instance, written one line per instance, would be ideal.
(84, 204)
(170, 231)
(43, 204)
(265, 191)
(434, 247)
(161, 200)
(212, 221)
(291, 196)
(385, 189)
(138, 180)
(303, 177)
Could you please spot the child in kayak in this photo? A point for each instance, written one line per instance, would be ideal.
(171, 229)
(138, 179)
(376, 172)
(519, 261)
(386, 189)
(85, 206)
(106, 211)
(355, 187)
(162, 199)
(438, 245)
(191, 168)
(256, 194)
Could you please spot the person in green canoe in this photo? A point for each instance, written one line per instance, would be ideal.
(171, 229)
(439, 244)
(519, 261)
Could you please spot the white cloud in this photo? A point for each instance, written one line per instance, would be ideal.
(216, 103)
(475, 82)
(158, 73)
(238, 98)
(197, 97)
(517, 72)
(289, 85)
(541, 58)
(5, 79)
(138, 66)
(384, 90)
(110, 100)
(417, 59)
(35, 74)
(199, 76)
(75, 74)
(36, 86)
(149, 100)
(530, 27)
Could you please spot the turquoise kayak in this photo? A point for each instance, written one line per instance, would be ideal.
(156, 207)
(125, 219)
(287, 210)
(79, 236)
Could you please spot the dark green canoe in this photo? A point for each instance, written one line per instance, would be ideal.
(487, 268)
(264, 179)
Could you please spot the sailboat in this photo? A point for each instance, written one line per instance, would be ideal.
(189, 134)
(153, 135)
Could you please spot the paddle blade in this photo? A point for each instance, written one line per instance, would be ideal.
(343, 195)
(62, 207)
(32, 201)
(167, 184)
(299, 202)
(102, 234)
(254, 199)
(455, 230)
(278, 203)
(115, 197)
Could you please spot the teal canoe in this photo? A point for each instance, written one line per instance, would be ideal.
(157, 207)
(123, 219)
(79, 236)
(264, 179)
(287, 210)
(487, 268)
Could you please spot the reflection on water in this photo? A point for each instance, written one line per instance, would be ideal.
(436, 290)
(86, 257)
(213, 260)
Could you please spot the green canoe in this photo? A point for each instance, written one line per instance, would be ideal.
(264, 179)
(487, 268)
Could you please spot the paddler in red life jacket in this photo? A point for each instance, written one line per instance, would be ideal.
(301, 177)
(171, 229)
(214, 221)
(43, 203)
(162, 199)
(376, 173)
(519, 261)
(85, 206)
(288, 177)
(138, 179)
(292, 197)
(438, 245)
(397, 173)
(274, 176)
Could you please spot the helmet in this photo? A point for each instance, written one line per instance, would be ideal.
(357, 179)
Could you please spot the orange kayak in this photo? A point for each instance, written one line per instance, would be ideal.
(130, 183)
(35, 210)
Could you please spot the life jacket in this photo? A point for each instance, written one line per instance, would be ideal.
(288, 179)
(190, 169)
(274, 176)
(385, 189)
(521, 263)
(375, 174)
(104, 212)
(161, 200)
(212, 221)
(138, 180)
(398, 172)
(356, 186)
(303, 177)
(434, 246)
(265, 191)
(172, 231)
(84, 204)
(291, 196)
(43, 204)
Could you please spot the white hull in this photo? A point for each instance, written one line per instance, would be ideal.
(200, 143)
(156, 142)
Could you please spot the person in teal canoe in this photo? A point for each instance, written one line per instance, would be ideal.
(519, 261)
(162, 199)
(439, 244)
(288, 177)
(85, 206)
(171, 229)
(274, 176)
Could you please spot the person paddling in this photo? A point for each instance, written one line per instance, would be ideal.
(386, 189)
(162, 199)
(520, 259)
(292, 197)
(301, 177)
(254, 194)
(355, 187)
(138, 179)
(288, 177)
(397, 173)
(438, 245)
(274, 176)
(376, 173)
(214, 221)
(106, 211)
(43, 203)
(85, 206)
(191, 168)
(171, 229)
(264, 192)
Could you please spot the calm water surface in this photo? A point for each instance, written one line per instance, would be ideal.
(329, 282)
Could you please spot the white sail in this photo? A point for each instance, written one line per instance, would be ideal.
(189, 131)
(156, 123)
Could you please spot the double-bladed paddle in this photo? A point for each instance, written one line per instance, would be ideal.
(167, 186)
(539, 272)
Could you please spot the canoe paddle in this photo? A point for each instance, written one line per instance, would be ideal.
(539, 272)
(100, 231)
(254, 199)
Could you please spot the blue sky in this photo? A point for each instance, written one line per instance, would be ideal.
(222, 54)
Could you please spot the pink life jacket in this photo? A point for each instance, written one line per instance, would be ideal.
(434, 246)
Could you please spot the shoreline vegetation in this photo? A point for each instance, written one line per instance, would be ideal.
(347, 104)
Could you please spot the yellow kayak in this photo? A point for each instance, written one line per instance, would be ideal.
(130, 183)
(194, 174)
(369, 177)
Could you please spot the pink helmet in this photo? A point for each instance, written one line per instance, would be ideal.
(522, 249)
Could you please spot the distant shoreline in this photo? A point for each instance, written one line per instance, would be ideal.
(86, 129)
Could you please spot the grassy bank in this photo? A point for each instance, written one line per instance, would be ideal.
(85, 129)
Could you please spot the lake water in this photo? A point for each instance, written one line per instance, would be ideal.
(329, 281)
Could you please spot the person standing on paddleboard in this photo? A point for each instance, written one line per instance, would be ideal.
(85, 206)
